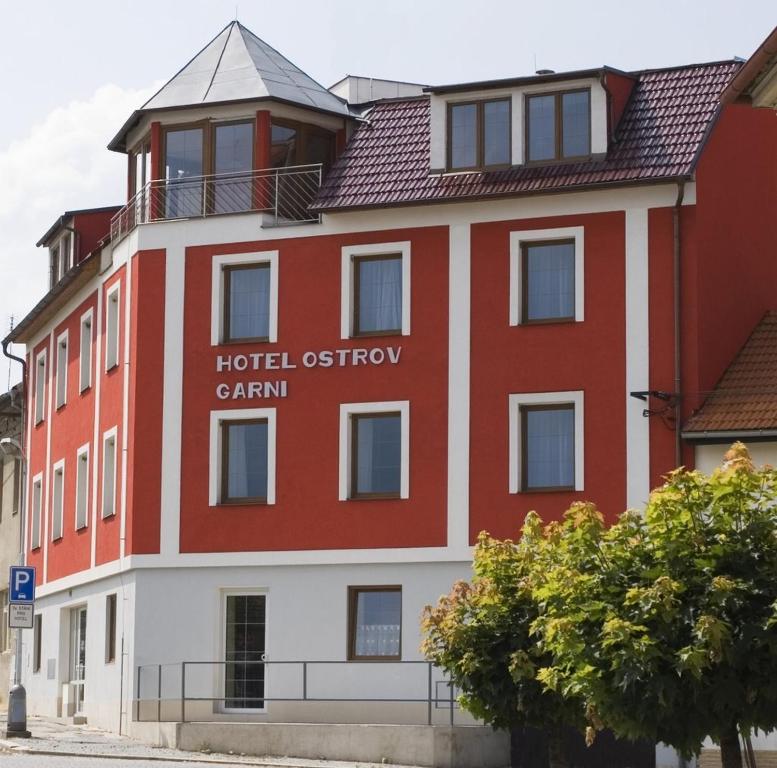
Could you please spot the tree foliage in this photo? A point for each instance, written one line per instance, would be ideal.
(662, 626)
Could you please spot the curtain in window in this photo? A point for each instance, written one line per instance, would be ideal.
(551, 281)
(378, 619)
(249, 303)
(378, 460)
(550, 448)
(247, 468)
(380, 294)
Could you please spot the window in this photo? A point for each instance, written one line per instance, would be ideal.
(242, 456)
(17, 485)
(54, 266)
(375, 286)
(40, 386)
(244, 461)
(184, 165)
(374, 623)
(546, 441)
(479, 135)
(295, 143)
(4, 633)
(233, 162)
(85, 356)
(82, 487)
(65, 253)
(109, 473)
(37, 497)
(61, 388)
(37, 641)
(558, 126)
(112, 328)
(244, 298)
(110, 629)
(546, 275)
(10, 485)
(58, 500)
(374, 450)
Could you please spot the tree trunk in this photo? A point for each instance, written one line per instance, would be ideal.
(730, 752)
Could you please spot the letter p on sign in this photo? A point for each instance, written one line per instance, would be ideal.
(22, 584)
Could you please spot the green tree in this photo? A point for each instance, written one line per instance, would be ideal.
(664, 625)
(481, 635)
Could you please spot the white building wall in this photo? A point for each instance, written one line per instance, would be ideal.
(710, 456)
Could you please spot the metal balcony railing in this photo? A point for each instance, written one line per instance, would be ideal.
(284, 194)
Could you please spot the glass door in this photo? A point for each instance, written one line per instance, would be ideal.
(183, 173)
(233, 149)
(244, 677)
(78, 655)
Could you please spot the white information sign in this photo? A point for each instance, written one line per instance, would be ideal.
(20, 615)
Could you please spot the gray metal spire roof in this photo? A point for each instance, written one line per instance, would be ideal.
(237, 66)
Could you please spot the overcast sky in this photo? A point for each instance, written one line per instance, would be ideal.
(73, 71)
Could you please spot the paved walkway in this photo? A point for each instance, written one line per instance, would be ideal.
(53, 737)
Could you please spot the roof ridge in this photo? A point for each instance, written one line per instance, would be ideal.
(678, 67)
(218, 63)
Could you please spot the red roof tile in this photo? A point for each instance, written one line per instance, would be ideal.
(745, 398)
(660, 133)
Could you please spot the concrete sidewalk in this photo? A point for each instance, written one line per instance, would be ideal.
(55, 737)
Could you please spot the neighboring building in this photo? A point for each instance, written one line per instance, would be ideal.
(10, 530)
(324, 345)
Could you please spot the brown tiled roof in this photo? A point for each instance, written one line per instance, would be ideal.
(745, 398)
(659, 136)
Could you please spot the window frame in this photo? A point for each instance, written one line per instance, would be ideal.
(350, 254)
(84, 450)
(216, 453)
(58, 504)
(225, 500)
(353, 603)
(227, 271)
(41, 370)
(60, 385)
(113, 335)
(304, 131)
(37, 511)
(85, 383)
(110, 435)
(480, 134)
(516, 405)
(358, 260)
(558, 157)
(353, 492)
(219, 301)
(519, 284)
(347, 452)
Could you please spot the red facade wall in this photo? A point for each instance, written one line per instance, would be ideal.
(588, 356)
(91, 228)
(144, 439)
(37, 454)
(307, 514)
(71, 427)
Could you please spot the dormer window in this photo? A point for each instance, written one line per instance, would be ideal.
(479, 135)
(558, 126)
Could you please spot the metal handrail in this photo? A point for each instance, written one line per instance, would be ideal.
(431, 700)
(283, 193)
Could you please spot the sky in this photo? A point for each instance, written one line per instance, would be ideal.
(73, 72)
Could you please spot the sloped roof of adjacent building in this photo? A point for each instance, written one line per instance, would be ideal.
(745, 398)
(756, 81)
(237, 66)
(659, 137)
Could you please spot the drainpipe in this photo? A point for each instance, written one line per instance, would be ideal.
(677, 267)
(17, 698)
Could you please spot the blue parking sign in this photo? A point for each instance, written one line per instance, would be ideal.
(22, 584)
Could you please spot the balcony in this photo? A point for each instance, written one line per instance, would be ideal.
(282, 194)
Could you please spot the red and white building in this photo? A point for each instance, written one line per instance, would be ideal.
(277, 395)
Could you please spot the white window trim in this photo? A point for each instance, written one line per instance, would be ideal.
(349, 409)
(217, 299)
(83, 450)
(347, 281)
(63, 341)
(575, 397)
(35, 522)
(57, 514)
(217, 418)
(87, 317)
(518, 238)
(114, 290)
(40, 391)
(224, 593)
(112, 433)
